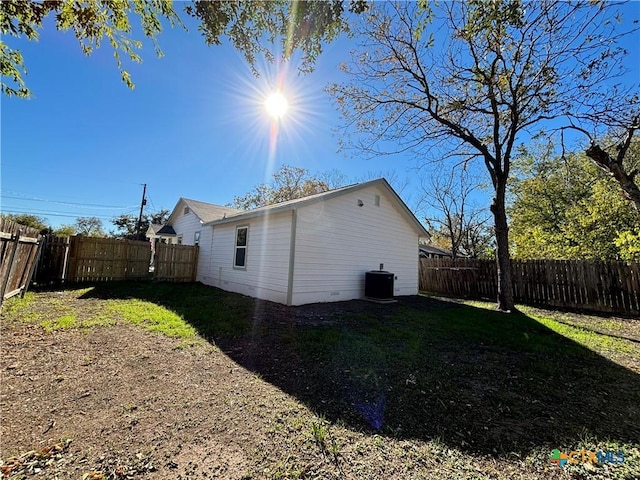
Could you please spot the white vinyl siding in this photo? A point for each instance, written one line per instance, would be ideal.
(186, 226)
(266, 272)
(338, 241)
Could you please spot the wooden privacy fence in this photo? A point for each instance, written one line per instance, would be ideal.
(175, 263)
(54, 258)
(105, 259)
(612, 287)
(88, 259)
(19, 250)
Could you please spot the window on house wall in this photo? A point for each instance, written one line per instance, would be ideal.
(179, 239)
(186, 210)
(240, 257)
(196, 238)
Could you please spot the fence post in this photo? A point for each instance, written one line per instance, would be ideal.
(74, 242)
(34, 266)
(5, 280)
(195, 264)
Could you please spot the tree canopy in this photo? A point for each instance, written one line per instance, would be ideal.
(126, 224)
(567, 208)
(89, 227)
(471, 80)
(254, 28)
(288, 183)
(29, 220)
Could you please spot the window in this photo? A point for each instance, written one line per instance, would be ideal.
(240, 257)
(179, 239)
(196, 238)
(186, 210)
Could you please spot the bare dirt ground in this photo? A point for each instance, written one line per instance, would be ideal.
(121, 402)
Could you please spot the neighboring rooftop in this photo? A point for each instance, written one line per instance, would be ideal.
(160, 229)
(208, 212)
(433, 251)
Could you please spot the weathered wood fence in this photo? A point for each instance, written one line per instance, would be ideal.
(105, 259)
(88, 259)
(175, 263)
(612, 287)
(19, 250)
(54, 259)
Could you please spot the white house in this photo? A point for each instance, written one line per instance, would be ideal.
(185, 226)
(314, 249)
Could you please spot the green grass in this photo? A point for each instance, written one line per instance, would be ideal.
(153, 317)
(60, 323)
(592, 340)
(463, 378)
(14, 305)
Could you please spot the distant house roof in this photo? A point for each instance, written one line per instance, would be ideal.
(292, 204)
(206, 212)
(432, 250)
(156, 229)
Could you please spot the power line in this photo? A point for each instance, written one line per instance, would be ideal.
(71, 204)
(55, 214)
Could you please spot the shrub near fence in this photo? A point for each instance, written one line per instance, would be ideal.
(612, 287)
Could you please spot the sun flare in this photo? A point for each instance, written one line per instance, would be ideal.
(276, 105)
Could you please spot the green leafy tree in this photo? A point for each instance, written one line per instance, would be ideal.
(28, 220)
(126, 223)
(92, 22)
(288, 183)
(89, 227)
(252, 27)
(567, 208)
(65, 231)
(475, 79)
(619, 156)
(628, 243)
(596, 222)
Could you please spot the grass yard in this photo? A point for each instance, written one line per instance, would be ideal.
(140, 380)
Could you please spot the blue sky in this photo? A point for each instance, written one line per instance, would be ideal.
(194, 126)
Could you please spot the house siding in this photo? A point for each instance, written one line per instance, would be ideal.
(338, 241)
(266, 273)
(187, 225)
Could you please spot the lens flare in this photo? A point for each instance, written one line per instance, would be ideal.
(276, 105)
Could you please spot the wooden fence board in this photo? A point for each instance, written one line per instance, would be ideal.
(175, 263)
(53, 261)
(611, 287)
(19, 250)
(106, 259)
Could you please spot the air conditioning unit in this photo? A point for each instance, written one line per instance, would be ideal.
(378, 285)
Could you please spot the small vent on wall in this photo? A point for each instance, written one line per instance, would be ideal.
(376, 200)
(186, 210)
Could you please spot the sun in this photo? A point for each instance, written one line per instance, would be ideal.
(276, 105)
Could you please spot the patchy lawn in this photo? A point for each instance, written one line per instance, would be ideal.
(136, 380)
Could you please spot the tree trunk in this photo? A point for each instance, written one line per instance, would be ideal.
(615, 167)
(503, 258)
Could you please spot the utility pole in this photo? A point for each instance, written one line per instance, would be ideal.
(142, 204)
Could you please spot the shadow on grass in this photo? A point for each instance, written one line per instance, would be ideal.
(474, 379)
